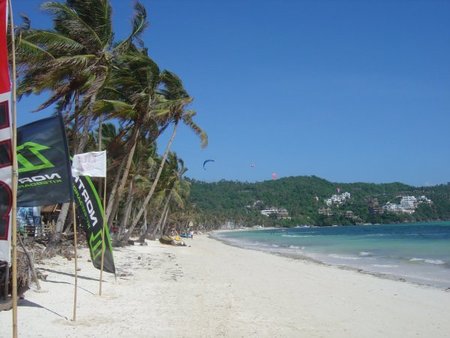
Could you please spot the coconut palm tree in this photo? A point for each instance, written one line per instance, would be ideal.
(177, 99)
(131, 97)
(90, 76)
(177, 190)
(73, 60)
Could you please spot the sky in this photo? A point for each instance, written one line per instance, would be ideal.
(347, 90)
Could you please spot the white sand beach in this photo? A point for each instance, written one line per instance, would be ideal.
(210, 289)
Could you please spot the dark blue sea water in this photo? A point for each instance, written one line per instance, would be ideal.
(418, 253)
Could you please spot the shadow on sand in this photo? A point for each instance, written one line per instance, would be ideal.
(27, 303)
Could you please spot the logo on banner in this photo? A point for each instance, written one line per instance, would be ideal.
(29, 157)
(44, 165)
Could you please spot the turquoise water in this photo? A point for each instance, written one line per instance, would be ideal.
(417, 252)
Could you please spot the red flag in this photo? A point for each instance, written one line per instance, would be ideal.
(5, 85)
(5, 141)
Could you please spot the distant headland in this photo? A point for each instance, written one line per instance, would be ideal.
(312, 200)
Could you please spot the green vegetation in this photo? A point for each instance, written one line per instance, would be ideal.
(303, 197)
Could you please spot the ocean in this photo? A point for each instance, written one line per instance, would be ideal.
(418, 253)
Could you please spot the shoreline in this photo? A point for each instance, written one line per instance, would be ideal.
(285, 252)
(342, 267)
(210, 289)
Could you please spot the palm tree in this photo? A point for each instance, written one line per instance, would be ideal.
(177, 99)
(177, 190)
(141, 173)
(131, 97)
(90, 76)
(73, 60)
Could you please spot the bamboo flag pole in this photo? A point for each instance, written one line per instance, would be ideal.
(103, 239)
(15, 175)
(100, 137)
(75, 239)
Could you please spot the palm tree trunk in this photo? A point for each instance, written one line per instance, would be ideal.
(127, 213)
(119, 190)
(61, 221)
(116, 184)
(143, 229)
(87, 122)
(153, 187)
(154, 223)
(165, 207)
(84, 136)
(163, 226)
(160, 221)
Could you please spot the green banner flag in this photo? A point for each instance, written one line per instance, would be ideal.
(91, 217)
(44, 165)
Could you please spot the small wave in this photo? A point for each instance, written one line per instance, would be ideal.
(297, 236)
(429, 261)
(434, 261)
(343, 257)
(365, 253)
(376, 235)
(385, 266)
(275, 246)
(294, 247)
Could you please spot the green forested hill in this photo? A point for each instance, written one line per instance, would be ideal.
(304, 199)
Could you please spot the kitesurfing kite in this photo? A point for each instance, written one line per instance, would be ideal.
(204, 163)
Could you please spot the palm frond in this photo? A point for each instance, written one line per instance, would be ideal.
(75, 24)
(187, 119)
(54, 43)
(113, 107)
(139, 24)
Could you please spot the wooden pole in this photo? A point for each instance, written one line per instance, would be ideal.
(100, 136)
(103, 239)
(75, 240)
(15, 175)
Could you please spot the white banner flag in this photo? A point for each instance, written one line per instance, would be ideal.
(89, 164)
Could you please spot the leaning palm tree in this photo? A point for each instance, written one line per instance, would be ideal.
(73, 60)
(177, 190)
(178, 99)
(131, 97)
(142, 170)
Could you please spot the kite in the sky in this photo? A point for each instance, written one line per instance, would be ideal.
(274, 176)
(205, 162)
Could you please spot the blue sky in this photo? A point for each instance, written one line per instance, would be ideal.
(350, 91)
